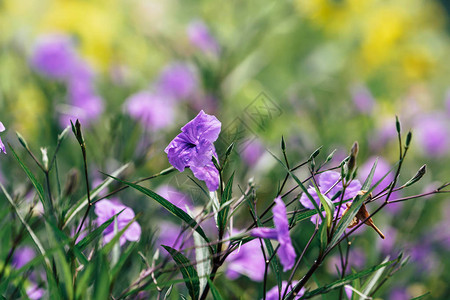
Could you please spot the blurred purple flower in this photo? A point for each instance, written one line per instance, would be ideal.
(153, 111)
(194, 148)
(252, 152)
(2, 146)
(387, 245)
(399, 293)
(200, 36)
(106, 209)
(326, 181)
(363, 99)
(54, 56)
(272, 294)
(423, 256)
(34, 292)
(433, 132)
(168, 236)
(248, 260)
(22, 256)
(177, 82)
(286, 252)
(383, 167)
(382, 136)
(175, 197)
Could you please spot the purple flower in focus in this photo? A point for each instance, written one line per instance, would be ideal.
(177, 82)
(194, 148)
(22, 256)
(106, 209)
(383, 167)
(272, 294)
(433, 132)
(286, 252)
(363, 99)
(200, 36)
(153, 111)
(2, 146)
(248, 260)
(326, 181)
(54, 56)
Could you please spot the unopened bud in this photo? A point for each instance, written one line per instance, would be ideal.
(44, 157)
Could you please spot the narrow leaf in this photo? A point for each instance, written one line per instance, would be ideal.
(189, 274)
(214, 291)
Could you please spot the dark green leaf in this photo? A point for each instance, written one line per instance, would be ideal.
(226, 196)
(167, 205)
(214, 291)
(187, 270)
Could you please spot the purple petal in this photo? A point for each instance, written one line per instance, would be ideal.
(203, 126)
(286, 253)
(209, 174)
(200, 37)
(265, 233)
(272, 294)
(2, 127)
(2, 146)
(248, 260)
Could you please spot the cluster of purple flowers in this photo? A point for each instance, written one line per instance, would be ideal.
(55, 57)
(194, 148)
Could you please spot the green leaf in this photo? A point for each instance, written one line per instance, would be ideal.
(167, 205)
(30, 175)
(374, 278)
(187, 270)
(121, 262)
(101, 278)
(214, 291)
(223, 212)
(341, 282)
(93, 235)
(327, 205)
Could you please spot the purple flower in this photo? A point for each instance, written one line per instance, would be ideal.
(383, 167)
(433, 133)
(272, 294)
(54, 56)
(248, 260)
(34, 292)
(286, 252)
(326, 181)
(169, 235)
(200, 36)
(2, 146)
(22, 256)
(363, 99)
(252, 152)
(399, 293)
(106, 209)
(175, 197)
(153, 111)
(194, 148)
(177, 82)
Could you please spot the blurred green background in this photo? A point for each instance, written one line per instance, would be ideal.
(331, 71)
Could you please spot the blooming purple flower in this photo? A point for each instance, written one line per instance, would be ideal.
(363, 99)
(2, 146)
(383, 167)
(326, 181)
(177, 82)
(433, 132)
(194, 148)
(106, 209)
(200, 36)
(54, 56)
(152, 110)
(248, 260)
(286, 252)
(272, 294)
